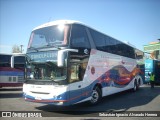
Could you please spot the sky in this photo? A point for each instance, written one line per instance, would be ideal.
(134, 21)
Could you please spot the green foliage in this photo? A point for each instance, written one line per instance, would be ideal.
(16, 49)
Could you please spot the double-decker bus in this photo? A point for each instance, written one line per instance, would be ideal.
(12, 68)
(70, 63)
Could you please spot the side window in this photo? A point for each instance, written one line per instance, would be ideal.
(126, 50)
(77, 71)
(118, 48)
(103, 42)
(111, 45)
(5, 60)
(99, 40)
(79, 38)
(19, 61)
(131, 52)
(121, 49)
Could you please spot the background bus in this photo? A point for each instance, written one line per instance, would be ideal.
(70, 63)
(152, 66)
(12, 77)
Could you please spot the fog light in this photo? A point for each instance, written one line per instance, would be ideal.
(61, 103)
(59, 97)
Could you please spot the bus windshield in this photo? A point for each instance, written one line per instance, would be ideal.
(49, 36)
(46, 71)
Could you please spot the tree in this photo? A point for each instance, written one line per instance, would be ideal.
(16, 49)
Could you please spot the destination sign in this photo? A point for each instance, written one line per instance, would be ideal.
(43, 56)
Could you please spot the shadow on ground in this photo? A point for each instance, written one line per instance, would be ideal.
(11, 92)
(119, 102)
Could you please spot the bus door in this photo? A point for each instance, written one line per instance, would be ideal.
(77, 69)
(76, 84)
(78, 61)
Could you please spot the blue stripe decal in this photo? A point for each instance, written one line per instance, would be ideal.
(11, 73)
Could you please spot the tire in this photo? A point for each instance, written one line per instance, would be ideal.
(135, 88)
(138, 85)
(95, 96)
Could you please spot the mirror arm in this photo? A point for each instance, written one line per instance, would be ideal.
(12, 62)
(60, 59)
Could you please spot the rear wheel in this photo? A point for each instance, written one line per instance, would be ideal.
(95, 96)
(136, 86)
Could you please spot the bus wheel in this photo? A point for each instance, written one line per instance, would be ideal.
(95, 96)
(135, 86)
(139, 83)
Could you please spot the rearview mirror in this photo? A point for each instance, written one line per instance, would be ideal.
(13, 57)
(61, 56)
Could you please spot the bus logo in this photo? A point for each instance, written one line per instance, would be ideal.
(86, 51)
(6, 114)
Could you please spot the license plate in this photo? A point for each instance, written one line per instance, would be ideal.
(38, 98)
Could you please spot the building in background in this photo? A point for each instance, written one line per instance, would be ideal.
(152, 61)
(153, 49)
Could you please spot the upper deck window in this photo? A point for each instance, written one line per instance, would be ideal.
(49, 36)
(79, 38)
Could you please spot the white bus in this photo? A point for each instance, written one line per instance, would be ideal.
(12, 68)
(70, 63)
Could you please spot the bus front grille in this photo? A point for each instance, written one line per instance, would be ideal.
(39, 92)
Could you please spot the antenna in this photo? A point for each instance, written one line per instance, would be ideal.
(21, 48)
(49, 19)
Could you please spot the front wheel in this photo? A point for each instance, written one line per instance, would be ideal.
(95, 96)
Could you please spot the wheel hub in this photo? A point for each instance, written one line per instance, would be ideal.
(95, 96)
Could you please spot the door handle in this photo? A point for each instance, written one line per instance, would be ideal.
(79, 86)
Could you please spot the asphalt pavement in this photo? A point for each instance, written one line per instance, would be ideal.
(143, 101)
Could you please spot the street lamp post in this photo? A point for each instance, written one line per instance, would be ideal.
(21, 48)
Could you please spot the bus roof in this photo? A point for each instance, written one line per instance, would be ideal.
(57, 22)
(14, 54)
(5, 53)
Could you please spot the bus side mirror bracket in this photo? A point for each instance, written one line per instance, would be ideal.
(12, 62)
(61, 55)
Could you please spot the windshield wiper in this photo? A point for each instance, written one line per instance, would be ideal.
(48, 45)
(53, 80)
(34, 48)
(28, 58)
(56, 79)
